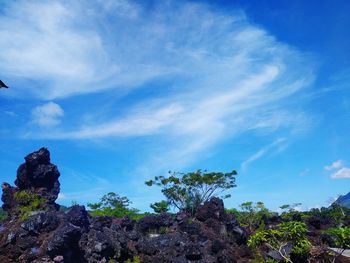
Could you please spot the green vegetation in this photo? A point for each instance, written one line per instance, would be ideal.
(112, 204)
(28, 203)
(134, 260)
(251, 215)
(341, 236)
(160, 207)
(186, 191)
(336, 215)
(3, 215)
(278, 239)
(290, 212)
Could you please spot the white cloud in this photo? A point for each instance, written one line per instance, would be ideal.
(221, 76)
(263, 151)
(339, 170)
(87, 47)
(343, 173)
(335, 165)
(47, 115)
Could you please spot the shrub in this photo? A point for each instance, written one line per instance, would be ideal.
(290, 212)
(160, 207)
(28, 203)
(134, 260)
(3, 215)
(341, 237)
(280, 238)
(251, 214)
(112, 204)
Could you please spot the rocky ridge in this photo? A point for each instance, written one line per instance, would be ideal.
(36, 231)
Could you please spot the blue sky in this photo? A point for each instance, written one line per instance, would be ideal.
(122, 91)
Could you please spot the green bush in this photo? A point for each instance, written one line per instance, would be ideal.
(28, 203)
(160, 207)
(114, 205)
(341, 236)
(3, 215)
(278, 239)
(134, 260)
(290, 212)
(251, 214)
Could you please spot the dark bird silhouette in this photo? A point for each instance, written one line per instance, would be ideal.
(3, 85)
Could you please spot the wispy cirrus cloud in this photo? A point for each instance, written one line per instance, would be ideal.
(220, 75)
(262, 152)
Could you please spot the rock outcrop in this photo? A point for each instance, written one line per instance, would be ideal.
(37, 180)
(40, 233)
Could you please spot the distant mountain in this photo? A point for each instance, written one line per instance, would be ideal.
(344, 200)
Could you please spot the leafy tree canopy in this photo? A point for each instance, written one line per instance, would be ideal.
(112, 204)
(160, 207)
(186, 191)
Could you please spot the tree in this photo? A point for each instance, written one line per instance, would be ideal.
(252, 214)
(290, 212)
(160, 207)
(186, 191)
(112, 204)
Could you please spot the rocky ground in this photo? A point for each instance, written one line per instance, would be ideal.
(36, 231)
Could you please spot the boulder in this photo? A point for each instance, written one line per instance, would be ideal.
(214, 208)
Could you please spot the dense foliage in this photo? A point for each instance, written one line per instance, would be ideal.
(28, 203)
(186, 191)
(286, 236)
(341, 237)
(160, 207)
(112, 204)
(3, 215)
(252, 214)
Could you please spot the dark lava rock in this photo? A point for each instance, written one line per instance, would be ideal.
(37, 176)
(65, 242)
(152, 222)
(78, 216)
(211, 209)
(42, 222)
(49, 235)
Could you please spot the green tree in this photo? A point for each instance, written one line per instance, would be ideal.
(251, 214)
(186, 191)
(112, 204)
(278, 239)
(160, 207)
(290, 212)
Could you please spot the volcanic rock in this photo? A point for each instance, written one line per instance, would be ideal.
(48, 235)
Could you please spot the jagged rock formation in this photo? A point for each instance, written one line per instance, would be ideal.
(36, 231)
(36, 179)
